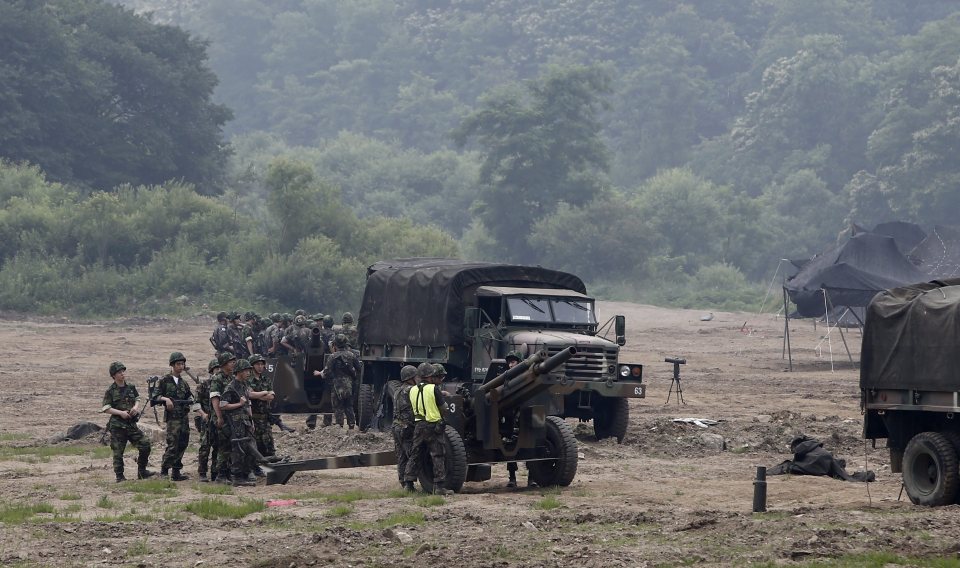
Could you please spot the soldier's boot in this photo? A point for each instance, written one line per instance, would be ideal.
(142, 471)
(439, 489)
(120, 477)
(258, 471)
(177, 476)
(512, 482)
(164, 472)
(242, 481)
(312, 421)
(203, 477)
(408, 486)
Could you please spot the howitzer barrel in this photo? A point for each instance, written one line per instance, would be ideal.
(315, 337)
(528, 384)
(555, 360)
(514, 371)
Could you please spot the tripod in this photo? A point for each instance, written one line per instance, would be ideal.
(675, 381)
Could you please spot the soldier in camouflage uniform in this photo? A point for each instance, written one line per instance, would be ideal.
(219, 382)
(122, 403)
(261, 399)
(342, 369)
(248, 333)
(403, 422)
(235, 404)
(429, 431)
(220, 339)
(174, 393)
(280, 333)
(205, 426)
(267, 334)
(348, 329)
(236, 339)
(297, 338)
(327, 335)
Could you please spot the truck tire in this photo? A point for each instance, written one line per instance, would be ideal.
(366, 407)
(610, 419)
(930, 470)
(561, 444)
(456, 460)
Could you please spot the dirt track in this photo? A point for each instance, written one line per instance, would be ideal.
(670, 494)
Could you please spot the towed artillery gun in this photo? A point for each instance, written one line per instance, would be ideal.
(468, 316)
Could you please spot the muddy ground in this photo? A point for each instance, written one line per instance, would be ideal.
(671, 494)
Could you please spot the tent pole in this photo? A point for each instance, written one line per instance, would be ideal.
(786, 328)
(826, 316)
(839, 327)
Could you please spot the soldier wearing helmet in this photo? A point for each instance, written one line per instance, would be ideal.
(173, 391)
(218, 384)
(403, 422)
(261, 399)
(234, 329)
(342, 369)
(327, 334)
(235, 404)
(297, 336)
(348, 329)
(513, 359)
(268, 333)
(122, 403)
(280, 333)
(203, 422)
(429, 430)
(220, 338)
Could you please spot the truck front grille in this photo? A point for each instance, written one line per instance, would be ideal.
(589, 364)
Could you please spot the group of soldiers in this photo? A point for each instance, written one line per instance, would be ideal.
(278, 334)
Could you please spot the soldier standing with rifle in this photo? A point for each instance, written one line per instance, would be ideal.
(235, 404)
(122, 403)
(429, 431)
(219, 382)
(220, 338)
(342, 368)
(403, 424)
(174, 393)
(205, 426)
(261, 399)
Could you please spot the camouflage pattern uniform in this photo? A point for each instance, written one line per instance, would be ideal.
(263, 430)
(350, 331)
(177, 423)
(342, 368)
(238, 345)
(123, 431)
(207, 428)
(220, 339)
(403, 422)
(326, 333)
(220, 436)
(244, 455)
(427, 435)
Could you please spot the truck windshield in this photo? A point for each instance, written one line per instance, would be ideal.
(552, 310)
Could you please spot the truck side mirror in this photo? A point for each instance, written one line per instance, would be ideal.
(620, 326)
(471, 321)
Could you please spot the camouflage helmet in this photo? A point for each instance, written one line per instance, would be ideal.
(425, 370)
(438, 370)
(233, 316)
(328, 321)
(177, 356)
(300, 313)
(248, 315)
(242, 365)
(222, 316)
(347, 318)
(257, 358)
(514, 355)
(287, 317)
(340, 341)
(317, 317)
(408, 373)
(226, 357)
(300, 321)
(116, 367)
(213, 364)
(275, 317)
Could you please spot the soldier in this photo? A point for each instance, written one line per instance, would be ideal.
(267, 334)
(297, 337)
(342, 368)
(326, 333)
(347, 328)
(513, 359)
(219, 382)
(280, 332)
(122, 403)
(248, 332)
(429, 431)
(174, 392)
(206, 427)
(235, 405)
(236, 339)
(261, 399)
(403, 423)
(220, 339)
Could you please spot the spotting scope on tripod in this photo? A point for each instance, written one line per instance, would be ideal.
(675, 381)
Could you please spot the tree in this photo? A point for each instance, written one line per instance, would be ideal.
(97, 95)
(541, 147)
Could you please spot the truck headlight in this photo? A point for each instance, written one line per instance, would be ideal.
(624, 371)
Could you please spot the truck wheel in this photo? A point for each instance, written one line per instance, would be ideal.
(456, 460)
(610, 419)
(562, 445)
(930, 470)
(367, 406)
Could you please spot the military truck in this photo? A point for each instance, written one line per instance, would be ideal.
(910, 384)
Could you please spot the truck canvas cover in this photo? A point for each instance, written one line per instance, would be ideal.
(911, 339)
(421, 301)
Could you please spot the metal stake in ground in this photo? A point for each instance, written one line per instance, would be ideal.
(675, 381)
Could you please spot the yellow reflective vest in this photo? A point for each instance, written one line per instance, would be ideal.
(424, 402)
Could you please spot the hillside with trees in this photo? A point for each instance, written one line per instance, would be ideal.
(667, 151)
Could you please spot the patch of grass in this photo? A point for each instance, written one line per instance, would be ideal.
(73, 508)
(341, 510)
(163, 487)
(13, 436)
(399, 493)
(215, 508)
(350, 496)
(42, 454)
(431, 501)
(403, 518)
(547, 503)
(139, 548)
(105, 503)
(17, 514)
(881, 559)
(146, 498)
(275, 520)
(69, 497)
(213, 488)
(124, 518)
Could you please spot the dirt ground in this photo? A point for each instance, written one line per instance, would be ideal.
(671, 494)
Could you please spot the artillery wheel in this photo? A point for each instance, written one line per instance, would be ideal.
(367, 406)
(610, 418)
(456, 460)
(561, 444)
(930, 470)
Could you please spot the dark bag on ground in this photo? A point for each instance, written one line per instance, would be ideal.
(809, 458)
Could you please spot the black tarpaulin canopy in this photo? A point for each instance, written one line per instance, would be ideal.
(911, 337)
(939, 254)
(852, 273)
(421, 301)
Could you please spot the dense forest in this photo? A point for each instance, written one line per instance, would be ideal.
(160, 153)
